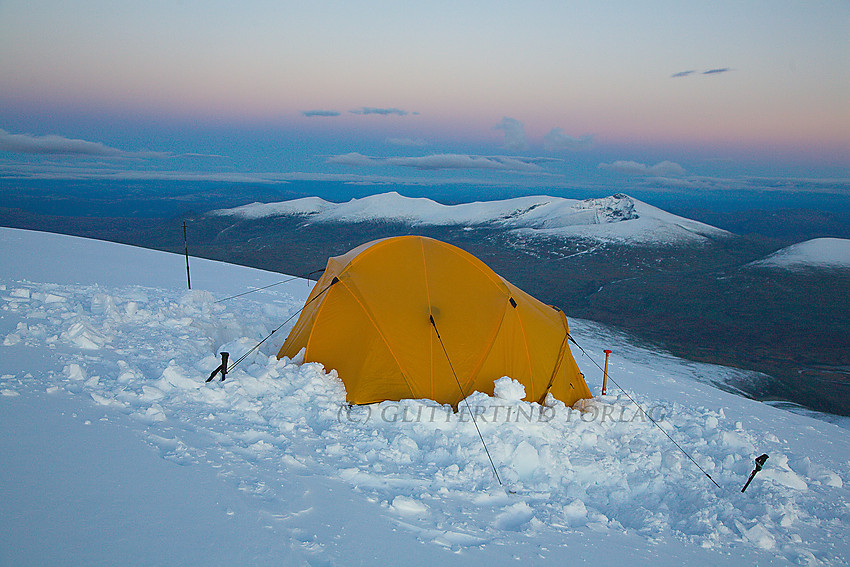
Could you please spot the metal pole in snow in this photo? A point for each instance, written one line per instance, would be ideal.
(605, 373)
(186, 249)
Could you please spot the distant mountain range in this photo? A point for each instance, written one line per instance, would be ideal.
(618, 218)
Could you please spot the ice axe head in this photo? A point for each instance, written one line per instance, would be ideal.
(759, 464)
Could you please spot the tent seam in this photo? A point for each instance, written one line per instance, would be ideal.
(383, 338)
(490, 344)
(319, 307)
(430, 314)
(560, 359)
(527, 357)
(499, 284)
(498, 281)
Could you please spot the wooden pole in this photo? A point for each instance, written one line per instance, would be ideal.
(186, 249)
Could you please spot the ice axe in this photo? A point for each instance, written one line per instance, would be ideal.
(605, 372)
(759, 464)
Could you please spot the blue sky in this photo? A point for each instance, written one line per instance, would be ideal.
(690, 96)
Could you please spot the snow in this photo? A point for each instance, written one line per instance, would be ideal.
(817, 253)
(116, 451)
(509, 390)
(617, 218)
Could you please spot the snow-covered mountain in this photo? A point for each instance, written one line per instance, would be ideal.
(116, 451)
(817, 253)
(617, 218)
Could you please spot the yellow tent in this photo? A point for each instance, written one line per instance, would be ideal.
(376, 312)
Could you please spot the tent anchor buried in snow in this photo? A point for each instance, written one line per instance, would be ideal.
(369, 317)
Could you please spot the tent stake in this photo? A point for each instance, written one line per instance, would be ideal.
(221, 369)
(605, 373)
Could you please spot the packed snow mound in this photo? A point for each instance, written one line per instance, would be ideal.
(615, 218)
(817, 253)
(315, 470)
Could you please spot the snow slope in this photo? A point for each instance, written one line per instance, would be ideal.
(617, 218)
(817, 253)
(117, 452)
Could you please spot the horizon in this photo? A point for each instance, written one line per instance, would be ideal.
(682, 98)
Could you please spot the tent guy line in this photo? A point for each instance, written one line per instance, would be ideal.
(305, 277)
(259, 289)
(279, 327)
(651, 419)
(465, 400)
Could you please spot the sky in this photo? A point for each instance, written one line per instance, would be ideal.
(688, 96)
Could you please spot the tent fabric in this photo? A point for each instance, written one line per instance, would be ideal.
(369, 317)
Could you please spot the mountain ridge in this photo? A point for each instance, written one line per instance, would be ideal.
(618, 218)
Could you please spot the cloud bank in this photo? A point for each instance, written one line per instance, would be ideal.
(661, 169)
(362, 111)
(59, 145)
(515, 139)
(320, 113)
(445, 161)
(717, 71)
(54, 144)
(368, 110)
